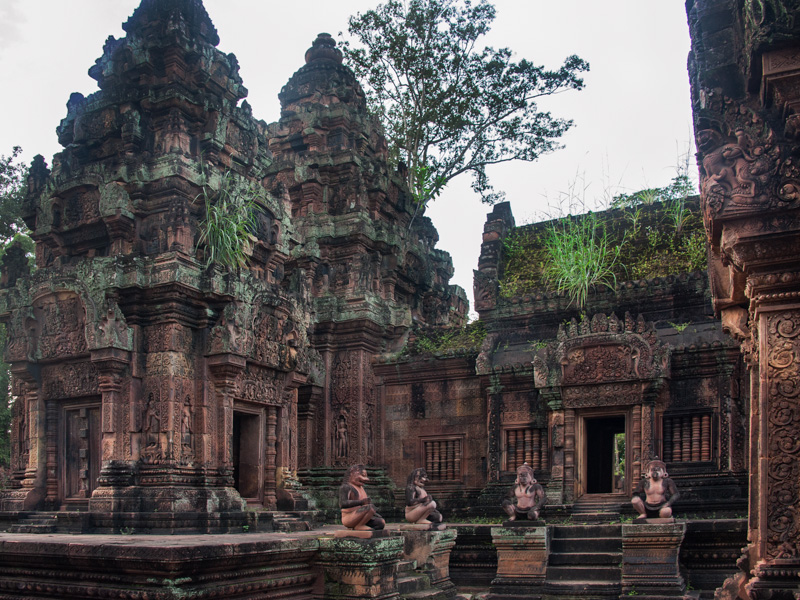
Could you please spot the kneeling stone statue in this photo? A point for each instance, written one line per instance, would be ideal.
(659, 493)
(358, 511)
(420, 507)
(526, 497)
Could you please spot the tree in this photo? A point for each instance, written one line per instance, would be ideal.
(448, 107)
(11, 190)
(12, 228)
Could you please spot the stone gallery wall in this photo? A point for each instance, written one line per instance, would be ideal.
(647, 360)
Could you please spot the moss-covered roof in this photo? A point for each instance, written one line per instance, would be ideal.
(642, 242)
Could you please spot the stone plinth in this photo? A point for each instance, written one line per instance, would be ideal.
(650, 560)
(521, 561)
(358, 568)
(431, 550)
(139, 567)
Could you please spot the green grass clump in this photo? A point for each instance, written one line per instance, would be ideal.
(454, 340)
(227, 232)
(578, 253)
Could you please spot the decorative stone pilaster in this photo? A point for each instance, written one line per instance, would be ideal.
(354, 568)
(32, 443)
(745, 76)
(225, 368)
(522, 554)
(650, 561)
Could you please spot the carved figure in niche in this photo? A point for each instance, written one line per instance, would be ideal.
(152, 430)
(186, 429)
(341, 437)
(526, 498)
(370, 436)
(659, 490)
(175, 140)
(358, 512)
(420, 507)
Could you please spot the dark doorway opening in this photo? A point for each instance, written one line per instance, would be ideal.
(246, 454)
(604, 461)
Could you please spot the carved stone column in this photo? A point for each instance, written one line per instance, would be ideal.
(495, 449)
(309, 397)
(745, 75)
(270, 498)
(33, 467)
(225, 368)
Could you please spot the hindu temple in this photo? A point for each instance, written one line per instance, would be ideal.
(159, 395)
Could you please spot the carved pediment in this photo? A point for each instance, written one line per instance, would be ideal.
(600, 351)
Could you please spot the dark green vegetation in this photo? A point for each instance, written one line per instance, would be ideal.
(12, 230)
(444, 342)
(226, 233)
(576, 254)
(448, 106)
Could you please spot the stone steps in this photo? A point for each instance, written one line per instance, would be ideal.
(39, 522)
(571, 572)
(599, 508)
(413, 585)
(292, 521)
(585, 562)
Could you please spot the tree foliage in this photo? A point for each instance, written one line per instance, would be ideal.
(12, 176)
(448, 107)
(11, 190)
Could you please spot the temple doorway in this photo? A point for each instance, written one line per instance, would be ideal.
(80, 450)
(604, 455)
(247, 452)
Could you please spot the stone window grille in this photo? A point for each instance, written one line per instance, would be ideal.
(443, 459)
(525, 445)
(687, 438)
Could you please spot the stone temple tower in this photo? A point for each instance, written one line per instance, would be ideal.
(367, 264)
(156, 388)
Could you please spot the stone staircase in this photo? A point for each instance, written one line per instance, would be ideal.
(600, 508)
(292, 521)
(39, 522)
(411, 584)
(584, 562)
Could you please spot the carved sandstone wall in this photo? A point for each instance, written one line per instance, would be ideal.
(744, 71)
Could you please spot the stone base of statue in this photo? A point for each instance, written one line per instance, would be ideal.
(522, 552)
(363, 534)
(524, 523)
(355, 568)
(650, 560)
(654, 520)
(422, 527)
(431, 552)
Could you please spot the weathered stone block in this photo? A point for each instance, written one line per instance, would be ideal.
(431, 551)
(358, 568)
(522, 554)
(650, 560)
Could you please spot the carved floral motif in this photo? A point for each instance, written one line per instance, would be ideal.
(345, 379)
(783, 435)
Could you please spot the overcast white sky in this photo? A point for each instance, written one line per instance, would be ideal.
(632, 121)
